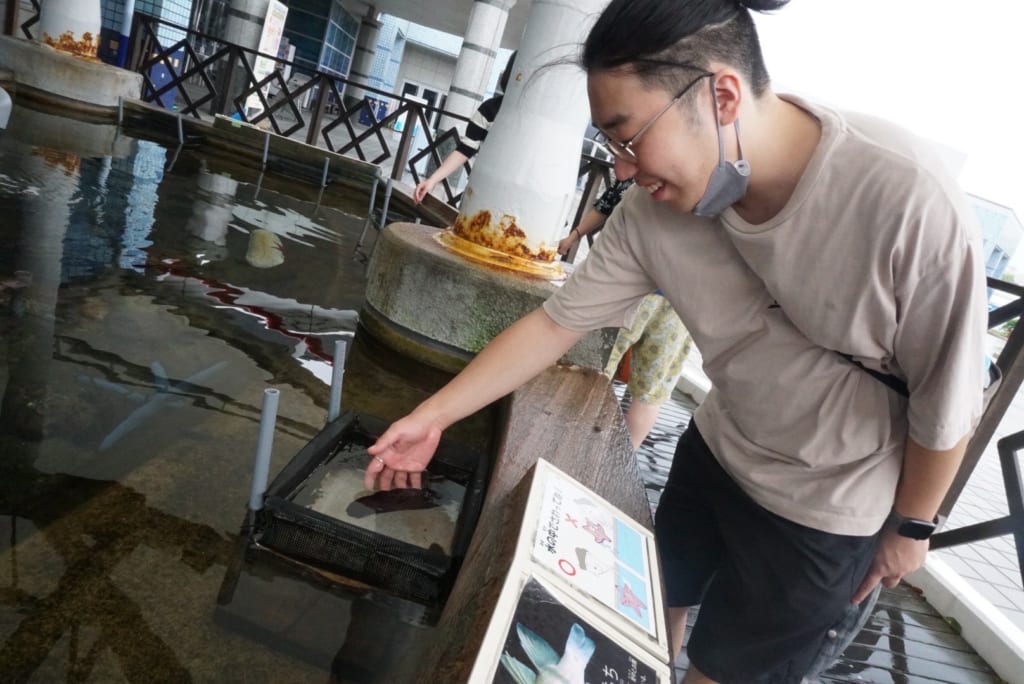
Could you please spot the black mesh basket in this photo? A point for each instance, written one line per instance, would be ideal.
(421, 566)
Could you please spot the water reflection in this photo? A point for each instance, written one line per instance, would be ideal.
(136, 337)
(65, 585)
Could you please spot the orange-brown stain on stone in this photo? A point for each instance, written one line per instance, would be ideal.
(69, 163)
(86, 48)
(506, 236)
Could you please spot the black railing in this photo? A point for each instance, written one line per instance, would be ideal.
(1011, 524)
(204, 76)
(1011, 364)
(31, 21)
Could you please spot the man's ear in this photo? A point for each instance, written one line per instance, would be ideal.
(729, 91)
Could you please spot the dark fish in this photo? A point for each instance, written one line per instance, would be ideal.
(391, 501)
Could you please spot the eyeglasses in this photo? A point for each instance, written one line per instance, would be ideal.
(624, 150)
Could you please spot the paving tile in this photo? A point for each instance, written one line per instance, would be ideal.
(993, 595)
(967, 552)
(962, 567)
(1015, 578)
(991, 574)
(1016, 617)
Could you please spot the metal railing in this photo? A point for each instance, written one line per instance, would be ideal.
(204, 76)
(1011, 364)
(1011, 524)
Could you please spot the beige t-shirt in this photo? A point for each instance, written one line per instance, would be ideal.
(875, 255)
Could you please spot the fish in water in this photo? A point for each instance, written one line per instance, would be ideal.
(167, 394)
(393, 500)
(570, 668)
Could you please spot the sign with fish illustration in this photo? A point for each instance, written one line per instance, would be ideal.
(582, 599)
(547, 641)
(596, 548)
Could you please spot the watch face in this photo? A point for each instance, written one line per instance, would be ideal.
(915, 529)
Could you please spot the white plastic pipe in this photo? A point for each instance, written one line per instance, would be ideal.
(337, 378)
(264, 446)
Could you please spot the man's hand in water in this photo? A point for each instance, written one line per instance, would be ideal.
(402, 453)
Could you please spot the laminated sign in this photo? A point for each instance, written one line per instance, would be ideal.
(582, 599)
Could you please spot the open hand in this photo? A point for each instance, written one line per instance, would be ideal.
(401, 454)
(422, 190)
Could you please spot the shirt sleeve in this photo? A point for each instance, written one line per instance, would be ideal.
(606, 289)
(941, 336)
(479, 124)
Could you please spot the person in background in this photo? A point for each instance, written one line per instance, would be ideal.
(829, 270)
(469, 144)
(657, 340)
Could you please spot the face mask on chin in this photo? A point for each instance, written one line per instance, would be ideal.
(728, 182)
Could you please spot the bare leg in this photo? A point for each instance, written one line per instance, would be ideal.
(676, 630)
(640, 418)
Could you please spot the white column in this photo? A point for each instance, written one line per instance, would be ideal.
(71, 26)
(366, 50)
(473, 68)
(524, 177)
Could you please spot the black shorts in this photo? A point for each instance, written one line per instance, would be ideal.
(770, 589)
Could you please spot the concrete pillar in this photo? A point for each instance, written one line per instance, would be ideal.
(483, 35)
(71, 26)
(524, 177)
(244, 24)
(366, 50)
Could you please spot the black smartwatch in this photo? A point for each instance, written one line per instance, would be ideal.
(914, 528)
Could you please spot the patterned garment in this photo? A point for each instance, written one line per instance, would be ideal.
(660, 345)
(610, 197)
(479, 124)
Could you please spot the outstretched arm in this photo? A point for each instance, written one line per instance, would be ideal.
(449, 165)
(527, 347)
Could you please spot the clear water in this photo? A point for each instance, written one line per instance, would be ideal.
(424, 518)
(147, 298)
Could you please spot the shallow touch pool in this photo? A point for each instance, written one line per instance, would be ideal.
(146, 300)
